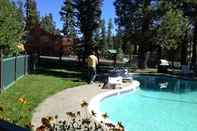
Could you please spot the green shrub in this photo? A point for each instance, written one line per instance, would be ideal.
(11, 26)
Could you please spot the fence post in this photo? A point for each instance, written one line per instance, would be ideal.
(15, 60)
(1, 70)
(25, 64)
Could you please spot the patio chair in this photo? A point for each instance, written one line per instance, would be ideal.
(163, 66)
(114, 80)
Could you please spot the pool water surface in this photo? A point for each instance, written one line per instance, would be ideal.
(160, 104)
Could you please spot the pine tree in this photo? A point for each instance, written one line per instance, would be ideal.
(32, 15)
(89, 17)
(119, 41)
(48, 24)
(173, 25)
(145, 32)
(110, 35)
(97, 36)
(189, 9)
(68, 17)
(135, 19)
(85, 17)
(21, 17)
(129, 19)
(187, 5)
(103, 43)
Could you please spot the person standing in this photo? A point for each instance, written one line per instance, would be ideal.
(92, 62)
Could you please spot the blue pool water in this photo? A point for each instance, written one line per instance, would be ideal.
(161, 104)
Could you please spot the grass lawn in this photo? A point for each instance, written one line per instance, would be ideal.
(35, 88)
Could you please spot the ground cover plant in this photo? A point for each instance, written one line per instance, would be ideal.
(78, 121)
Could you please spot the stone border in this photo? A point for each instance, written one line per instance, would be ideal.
(94, 104)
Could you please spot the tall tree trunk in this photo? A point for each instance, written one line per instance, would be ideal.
(145, 29)
(171, 56)
(159, 55)
(184, 53)
(194, 53)
(87, 46)
(130, 58)
(135, 49)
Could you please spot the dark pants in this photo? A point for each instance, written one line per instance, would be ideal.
(91, 74)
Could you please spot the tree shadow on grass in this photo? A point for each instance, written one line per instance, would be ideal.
(69, 69)
(77, 76)
(65, 64)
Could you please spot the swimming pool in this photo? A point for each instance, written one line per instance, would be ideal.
(161, 104)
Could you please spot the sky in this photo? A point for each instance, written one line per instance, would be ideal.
(54, 6)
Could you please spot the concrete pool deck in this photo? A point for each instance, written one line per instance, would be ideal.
(68, 100)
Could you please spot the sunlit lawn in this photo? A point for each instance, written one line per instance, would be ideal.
(35, 88)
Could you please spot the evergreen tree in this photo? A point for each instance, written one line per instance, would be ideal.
(172, 30)
(189, 9)
(88, 17)
(136, 20)
(85, 17)
(48, 24)
(145, 23)
(11, 26)
(110, 43)
(97, 36)
(118, 43)
(32, 15)
(103, 43)
(21, 17)
(68, 17)
(129, 19)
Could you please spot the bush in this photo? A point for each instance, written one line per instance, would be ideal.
(11, 26)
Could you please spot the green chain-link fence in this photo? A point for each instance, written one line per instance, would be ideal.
(13, 69)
